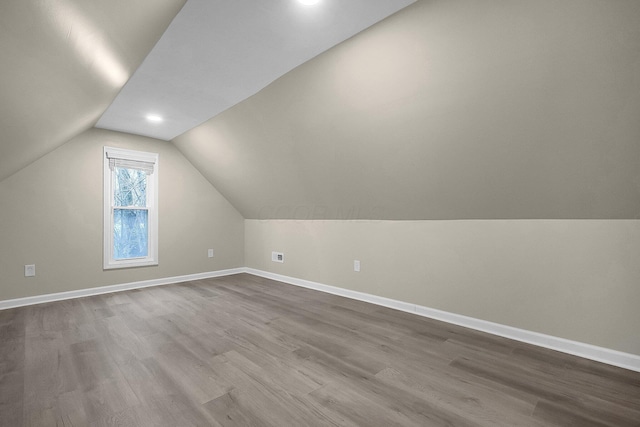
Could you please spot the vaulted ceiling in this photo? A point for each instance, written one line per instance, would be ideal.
(62, 62)
(65, 63)
(217, 53)
(448, 109)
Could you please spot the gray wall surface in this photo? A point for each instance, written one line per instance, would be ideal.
(576, 280)
(51, 216)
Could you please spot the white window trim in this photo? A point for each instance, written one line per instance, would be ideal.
(152, 204)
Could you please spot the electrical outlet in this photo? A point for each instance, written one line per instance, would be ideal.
(29, 270)
(356, 265)
(210, 253)
(277, 257)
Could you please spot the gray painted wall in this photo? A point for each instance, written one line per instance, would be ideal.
(576, 280)
(51, 216)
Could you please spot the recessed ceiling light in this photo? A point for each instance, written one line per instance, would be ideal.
(309, 2)
(154, 118)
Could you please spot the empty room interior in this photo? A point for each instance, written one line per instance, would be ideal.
(319, 212)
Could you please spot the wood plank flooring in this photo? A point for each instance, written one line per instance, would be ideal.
(247, 351)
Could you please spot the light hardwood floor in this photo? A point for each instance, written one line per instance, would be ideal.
(242, 350)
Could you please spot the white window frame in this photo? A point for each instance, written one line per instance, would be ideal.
(152, 207)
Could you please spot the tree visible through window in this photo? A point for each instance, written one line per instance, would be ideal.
(130, 208)
(130, 215)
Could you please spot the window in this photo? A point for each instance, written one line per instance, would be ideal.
(130, 208)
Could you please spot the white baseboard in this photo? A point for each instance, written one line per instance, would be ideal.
(587, 351)
(40, 299)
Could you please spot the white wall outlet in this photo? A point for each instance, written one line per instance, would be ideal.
(356, 265)
(277, 257)
(29, 270)
(210, 253)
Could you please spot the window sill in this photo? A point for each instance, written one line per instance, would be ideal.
(129, 264)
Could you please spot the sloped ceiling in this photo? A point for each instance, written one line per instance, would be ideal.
(449, 109)
(217, 53)
(61, 64)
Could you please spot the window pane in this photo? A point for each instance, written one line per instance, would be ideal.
(130, 187)
(130, 233)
